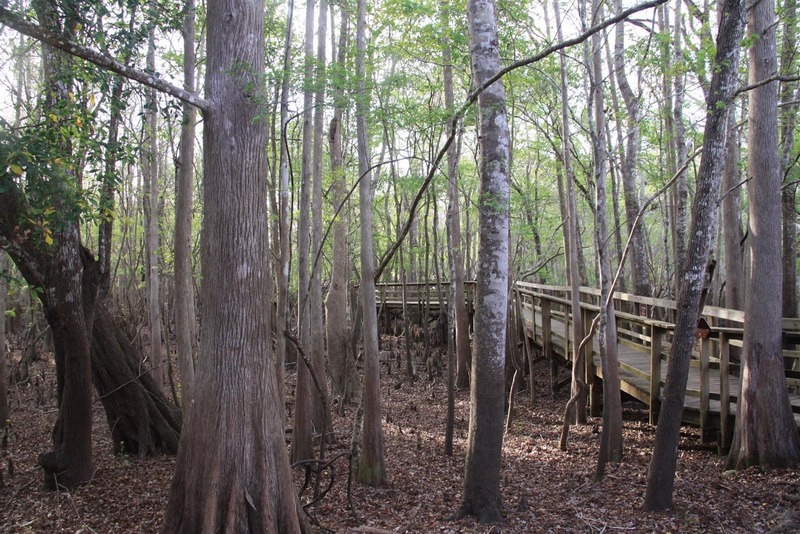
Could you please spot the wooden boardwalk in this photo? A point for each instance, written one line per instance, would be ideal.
(542, 319)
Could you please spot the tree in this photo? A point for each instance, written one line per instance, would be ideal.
(4, 277)
(661, 473)
(462, 344)
(577, 388)
(232, 471)
(158, 362)
(371, 463)
(70, 310)
(184, 293)
(611, 437)
(789, 94)
(456, 360)
(481, 494)
(342, 364)
(766, 434)
(315, 294)
(302, 432)
(638, 254)
(678, 147)
(284, 223)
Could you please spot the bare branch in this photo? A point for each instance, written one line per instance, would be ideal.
(473, 97)
(17, 22)
(765, 81)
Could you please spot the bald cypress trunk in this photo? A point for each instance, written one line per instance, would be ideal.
(638, 245)
(4, 266)
(158, 362)
(67, 308)
(232, 473)
(789, 95)
(302, 432)
(184, 292)
(342, 364)
(766, 434)
(371, 463)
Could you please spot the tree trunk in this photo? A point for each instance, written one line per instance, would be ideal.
(142, 421)
(69, 308)
(766, 434)
(732, 220)
(638, 245)
(158, 362)
(788, 122)
(617, 114)
(611, 437)
(284, 225)
(661, 474)
(232, 473)
(371, 464)
(667, 146)
(462, 343)
(184, 292)
(577, 389)
(481, 495)
(315, 296)
(302, 433)
(342, 364)
(678, 140)
(70, 462)
(457, 326)
(4, 276)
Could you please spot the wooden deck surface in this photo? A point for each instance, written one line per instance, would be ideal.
(634, 373)
(634, 348)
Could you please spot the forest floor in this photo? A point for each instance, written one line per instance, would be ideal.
(543, 488)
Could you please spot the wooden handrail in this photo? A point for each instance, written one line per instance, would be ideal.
(648, 333)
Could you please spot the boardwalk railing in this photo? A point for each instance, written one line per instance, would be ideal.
(543, 313)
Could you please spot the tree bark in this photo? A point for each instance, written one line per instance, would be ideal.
(184, 292)
(158, 363)
(371, 463)
(142, 421)
(661, 474)
(638, 244)
(315, 296)
(4, 276)
(732, 220)
(678, 141)
(232, 472)
(577, 388)
(302, 432)
(611, 437)
(342, 364)
(284, 225)
(69, 309)
(462, 343)
(788, 122)
(766, 434)
(481, 496)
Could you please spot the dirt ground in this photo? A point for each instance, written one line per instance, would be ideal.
(543, 488)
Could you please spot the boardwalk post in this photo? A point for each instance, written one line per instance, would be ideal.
(526, 348)
(656, 337)
(384, 307)
(568, 318)
(546, 345)
(590, 374)
(705, 352)
(724, 394)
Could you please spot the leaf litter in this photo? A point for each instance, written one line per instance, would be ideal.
(543, 489)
